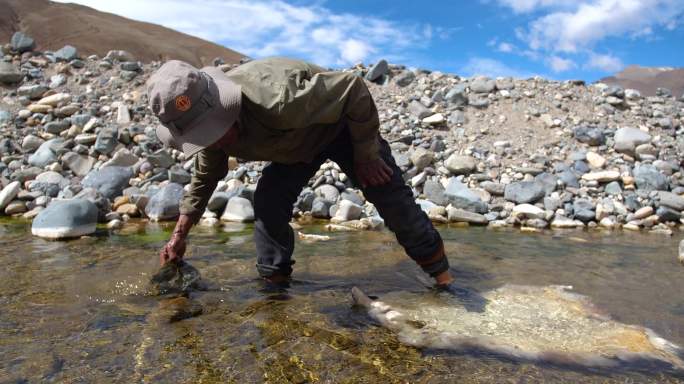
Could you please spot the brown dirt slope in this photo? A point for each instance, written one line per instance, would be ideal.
(646, 79)
(54, 25)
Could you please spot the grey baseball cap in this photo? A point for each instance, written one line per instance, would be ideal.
(195, 107)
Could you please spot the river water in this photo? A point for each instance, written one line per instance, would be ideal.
(79, 312)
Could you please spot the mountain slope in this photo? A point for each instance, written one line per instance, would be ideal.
(647, 79)
(54, 25)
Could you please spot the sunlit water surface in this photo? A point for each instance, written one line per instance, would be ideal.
(79, 311)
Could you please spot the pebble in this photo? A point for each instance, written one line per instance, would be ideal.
(460, 165)
(8, 193)
(602, 176)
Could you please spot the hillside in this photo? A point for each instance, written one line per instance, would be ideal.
(54, 25)
(648, 79)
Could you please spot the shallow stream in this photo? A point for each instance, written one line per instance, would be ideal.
(78, 311)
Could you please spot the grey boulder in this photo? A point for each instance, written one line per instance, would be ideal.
(347, 210)
(165, 204)
(627, 139)
(648, 178)
(463, 216)
(460, 165)
(584, 210)
(320, 208)
(66, 219)
(457, 95)
(460, 196)
(80, 165)
(434, 191)
(238, 209)
(590, 135)
(671, 200)
(21, 43)
(46, 153)
(109, 181)
(380, 69)
(405, 78)
(66, 53)
(483, 85)
(524, 192)
(9, 74)
(328, 192)
(106, 140)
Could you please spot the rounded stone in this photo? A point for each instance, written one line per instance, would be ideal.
(65, 219)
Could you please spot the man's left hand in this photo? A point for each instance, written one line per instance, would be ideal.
(373, 173)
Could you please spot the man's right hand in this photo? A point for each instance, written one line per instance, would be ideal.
(174, 250)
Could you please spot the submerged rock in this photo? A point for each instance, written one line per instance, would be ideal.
(548, 324)
(175, 278)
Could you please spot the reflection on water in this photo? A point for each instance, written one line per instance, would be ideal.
(79, 311)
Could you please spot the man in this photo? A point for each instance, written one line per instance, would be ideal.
(295, 115)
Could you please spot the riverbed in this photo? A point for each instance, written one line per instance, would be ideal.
(79, 311)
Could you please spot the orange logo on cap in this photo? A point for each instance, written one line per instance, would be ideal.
(183, 103)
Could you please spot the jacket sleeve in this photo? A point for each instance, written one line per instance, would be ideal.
(210, 167)
(327, 98)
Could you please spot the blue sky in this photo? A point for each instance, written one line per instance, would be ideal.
(560, 39)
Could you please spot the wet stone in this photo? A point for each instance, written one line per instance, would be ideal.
(175, 277)
(177, 309)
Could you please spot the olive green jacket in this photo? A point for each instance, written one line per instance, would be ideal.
(291, 111)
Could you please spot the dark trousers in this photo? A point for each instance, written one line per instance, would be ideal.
(280, 185)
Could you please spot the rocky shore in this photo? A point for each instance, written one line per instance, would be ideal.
(78, 147)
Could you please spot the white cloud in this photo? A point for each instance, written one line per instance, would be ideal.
(559, 64)
(524, 6)
(506, 47)
(261, 28)
(481, 66)
(354, 50)
(596, 20)
(577, 27)
(605, 63)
